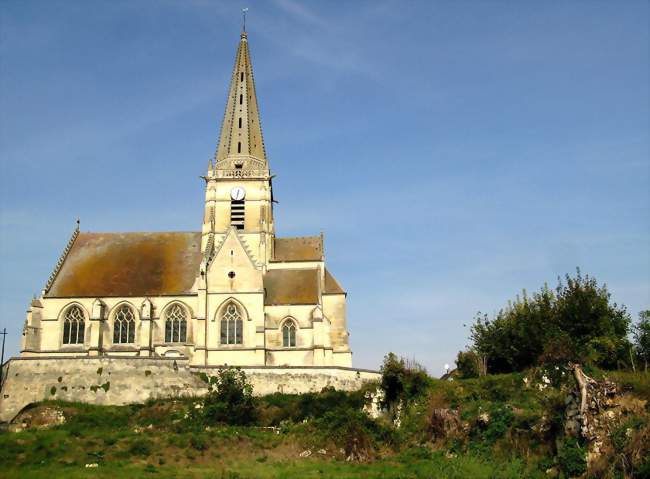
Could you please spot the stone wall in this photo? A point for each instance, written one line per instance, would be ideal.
(124, 380)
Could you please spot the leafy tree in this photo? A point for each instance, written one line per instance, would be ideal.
(467, 363)
(575, 322)
(401, 381)
(597, 328)
(642, 338)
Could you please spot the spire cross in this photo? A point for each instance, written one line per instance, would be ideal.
(243, 17)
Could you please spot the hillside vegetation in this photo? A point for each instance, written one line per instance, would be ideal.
(499, 426)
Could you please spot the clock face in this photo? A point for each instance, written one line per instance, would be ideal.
(238, 193)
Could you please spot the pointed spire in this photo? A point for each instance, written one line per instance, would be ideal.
(241, 145)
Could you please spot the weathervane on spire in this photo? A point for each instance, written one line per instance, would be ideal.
(243, 16)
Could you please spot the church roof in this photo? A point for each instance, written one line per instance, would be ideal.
(306, 248)
(128, 264)
(291, 286)
(241, 131)
(331, 285)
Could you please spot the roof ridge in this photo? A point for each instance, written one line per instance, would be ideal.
(59, 264)
(297, 237)
(134, 232)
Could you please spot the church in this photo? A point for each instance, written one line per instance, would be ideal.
(231, 294)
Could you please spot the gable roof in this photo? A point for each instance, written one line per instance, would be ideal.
(305, 248)
(291, 286)
(129, 264)
(331, 285)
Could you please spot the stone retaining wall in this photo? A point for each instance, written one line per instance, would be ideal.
(125, 380)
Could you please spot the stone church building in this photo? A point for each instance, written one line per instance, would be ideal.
(232, 293)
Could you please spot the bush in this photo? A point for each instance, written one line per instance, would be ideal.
(571, 458)
(230, 399)
(401, 382)
(467, 364)
(353, 431)
(276, 408)
(199, 442)
(141, 447)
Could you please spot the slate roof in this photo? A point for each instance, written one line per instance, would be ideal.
(291, 286)
(305, 248)
(129, 264)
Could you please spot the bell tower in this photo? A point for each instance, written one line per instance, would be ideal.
(238, 182)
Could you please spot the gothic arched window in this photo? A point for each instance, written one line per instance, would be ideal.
(175, 324)
(73, 326)
(124, 325)
(231, 325)
(289, 334)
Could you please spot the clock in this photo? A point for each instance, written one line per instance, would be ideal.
(238, 193)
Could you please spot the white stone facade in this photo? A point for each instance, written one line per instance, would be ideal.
(232, 294)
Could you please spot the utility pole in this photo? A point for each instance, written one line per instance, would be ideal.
(2, 357)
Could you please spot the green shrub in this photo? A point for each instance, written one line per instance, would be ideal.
(401, 382)
(501, 418)
(141, 447)
(467, 364)
(571, 458)
(230, 399)
(276, 408)
(199, 442)
(353, 431)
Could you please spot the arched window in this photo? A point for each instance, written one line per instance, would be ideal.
(73, 326)
(289, 334)
(175, 324)
(231, 325)
(124, 325)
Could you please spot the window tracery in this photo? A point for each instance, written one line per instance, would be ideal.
(176, 324)
(73, 326)
(124, 325)
(231, 325)
(289, 334)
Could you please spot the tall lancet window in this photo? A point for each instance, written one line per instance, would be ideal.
(73, 326)
(175, 324)
(124, 326)
(289, 334)
(231, 325)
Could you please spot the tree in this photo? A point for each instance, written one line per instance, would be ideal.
(641, 333)
(575, 322)
(467, 363)
(401, 381)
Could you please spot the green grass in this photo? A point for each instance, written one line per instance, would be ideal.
(436, 466)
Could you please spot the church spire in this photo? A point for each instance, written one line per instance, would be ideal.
(241, 145)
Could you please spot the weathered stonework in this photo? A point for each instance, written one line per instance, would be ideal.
(126, 380)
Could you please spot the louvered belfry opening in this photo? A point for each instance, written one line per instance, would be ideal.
(237, 213)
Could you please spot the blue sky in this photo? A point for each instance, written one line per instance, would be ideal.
(452, 152)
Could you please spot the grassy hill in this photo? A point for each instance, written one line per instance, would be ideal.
(499, 426)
